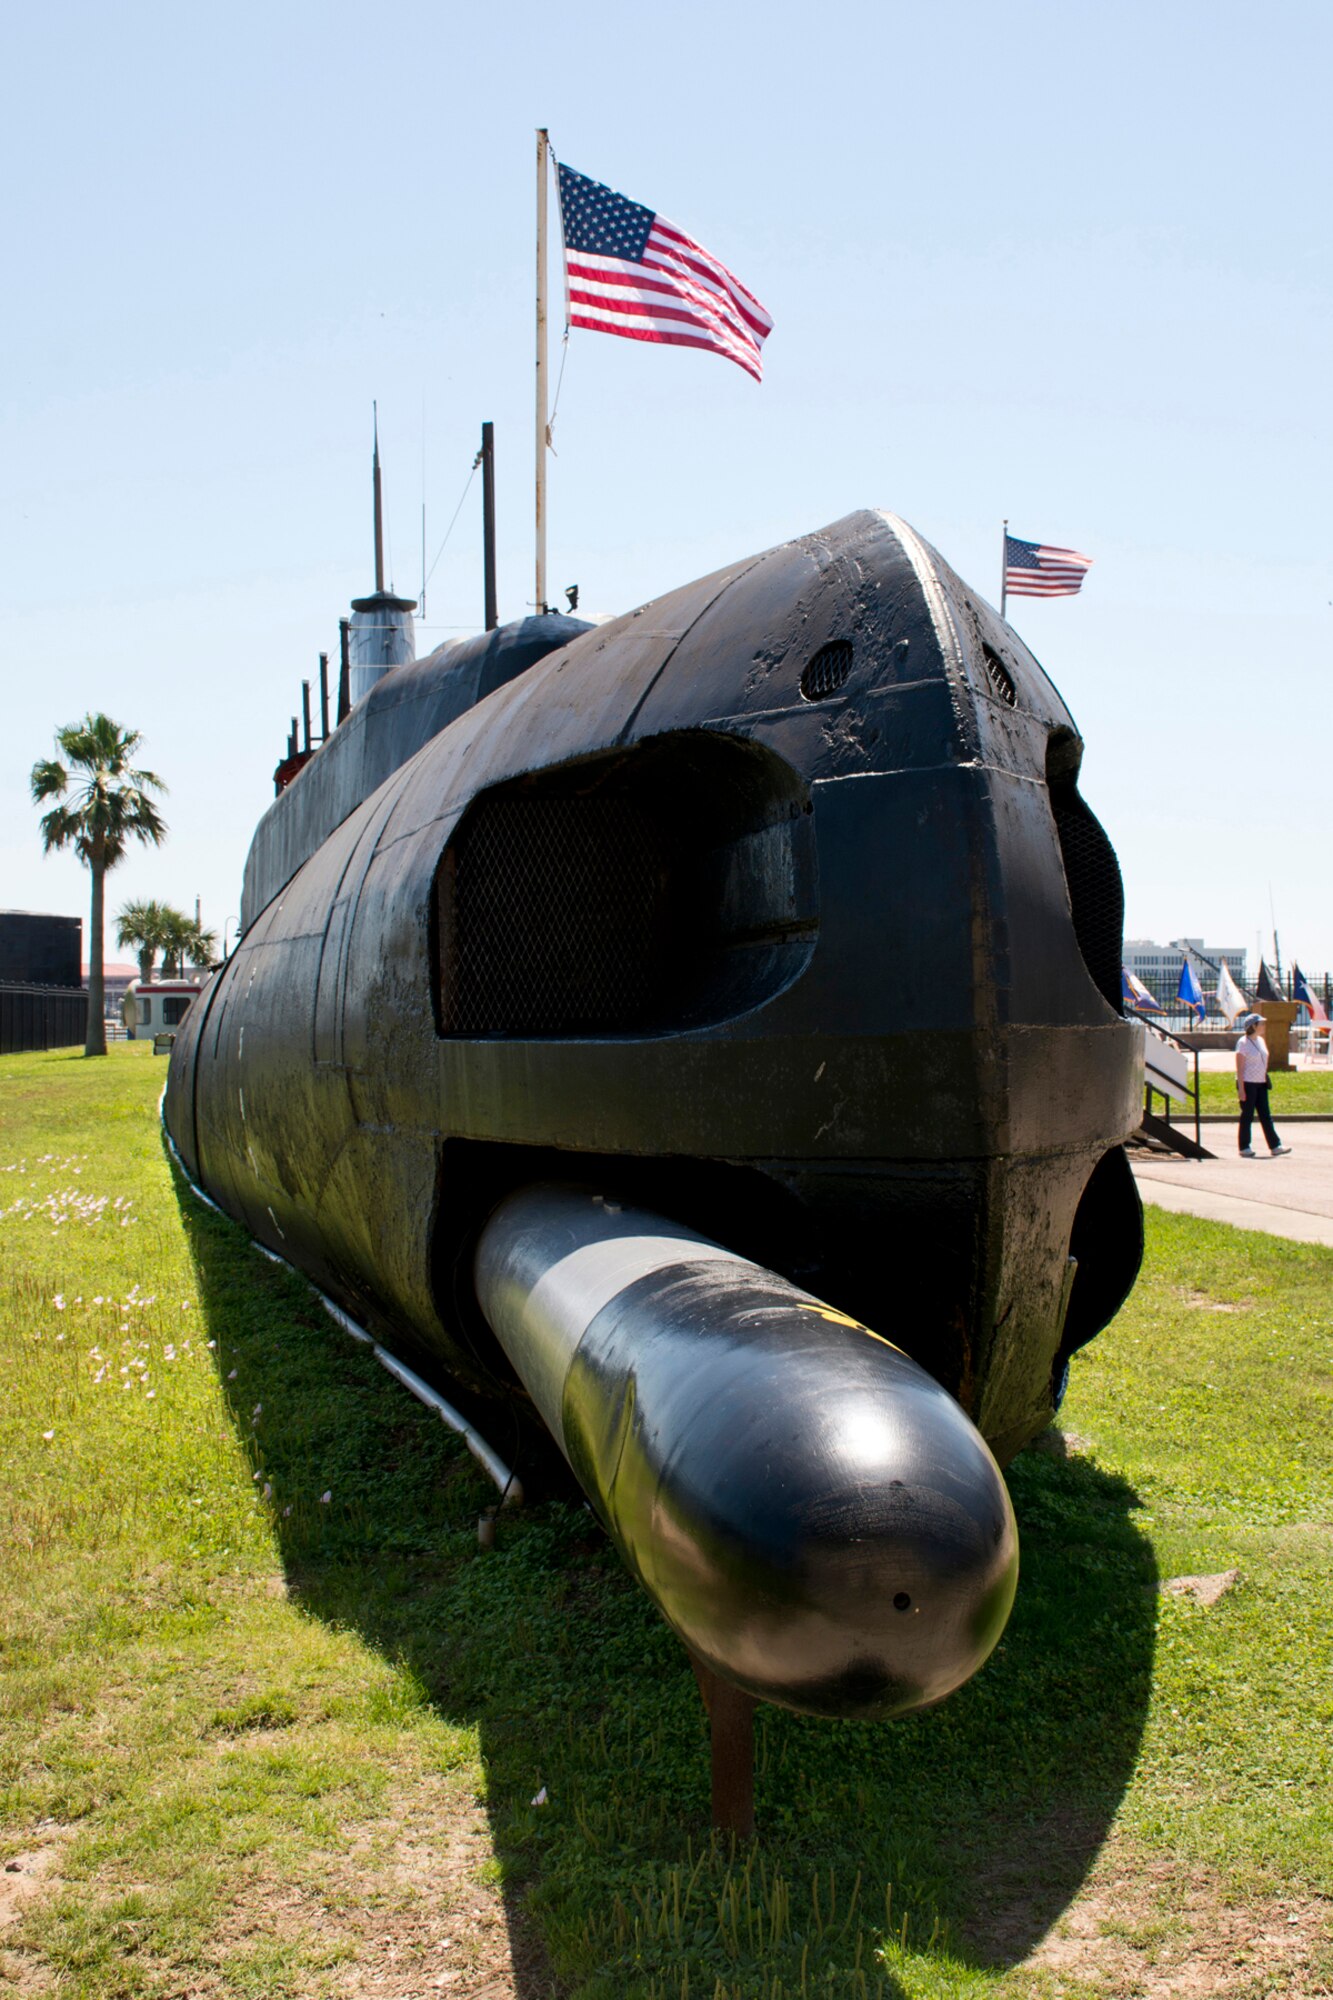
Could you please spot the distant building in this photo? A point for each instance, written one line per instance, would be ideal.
(1158, 965)
(38, 950)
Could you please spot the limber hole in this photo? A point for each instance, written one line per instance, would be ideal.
(901, 1601)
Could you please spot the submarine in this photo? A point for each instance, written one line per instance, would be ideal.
(699, 1035)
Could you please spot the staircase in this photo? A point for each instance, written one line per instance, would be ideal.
(1167, 1067)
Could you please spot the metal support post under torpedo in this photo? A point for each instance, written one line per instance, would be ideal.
(813, 1515)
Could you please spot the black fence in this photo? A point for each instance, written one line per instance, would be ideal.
(42, 1017)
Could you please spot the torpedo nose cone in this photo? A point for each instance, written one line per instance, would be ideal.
(815, 1516)
(810, 1511)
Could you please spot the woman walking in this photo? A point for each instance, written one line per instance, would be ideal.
(1252, 1088)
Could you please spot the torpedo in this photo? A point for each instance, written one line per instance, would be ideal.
(809, 1510)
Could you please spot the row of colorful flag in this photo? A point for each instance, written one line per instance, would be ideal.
(1229, 998)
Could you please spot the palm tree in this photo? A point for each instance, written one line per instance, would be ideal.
(183, 938)
(201, 946)
(142, 928)
(105, 812)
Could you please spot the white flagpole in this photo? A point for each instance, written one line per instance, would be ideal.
(1004, 568)
(543, 143)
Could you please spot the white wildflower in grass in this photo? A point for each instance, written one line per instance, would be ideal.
(48, 1435)
(212, 1343)
(58, 1302)
(286, 1511)
(100, 1376)
(98, 1300)
(254, 1475)
(232, 1376)
(257, 1410)
(151, 1394)
(268, 1491)
(325, 1498)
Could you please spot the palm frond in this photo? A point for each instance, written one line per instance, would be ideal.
(48, 780)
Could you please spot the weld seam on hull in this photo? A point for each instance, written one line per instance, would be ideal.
(490, 1461)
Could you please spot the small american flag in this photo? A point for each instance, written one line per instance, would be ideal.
(1031, 569)
(634, 273)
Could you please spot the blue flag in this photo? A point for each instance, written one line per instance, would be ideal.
(1135, 994)
(1189, 991)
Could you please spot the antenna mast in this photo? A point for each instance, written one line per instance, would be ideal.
(379, 505)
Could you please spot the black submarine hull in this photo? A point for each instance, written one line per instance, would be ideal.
(772, 906)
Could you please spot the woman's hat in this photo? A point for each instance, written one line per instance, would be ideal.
(1253, 1021)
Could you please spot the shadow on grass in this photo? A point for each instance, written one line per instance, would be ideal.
(959, 1835)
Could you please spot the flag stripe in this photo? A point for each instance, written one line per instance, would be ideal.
(629, 304)
(664, 338)
(631, 310)
(670, 243)
(612, 276)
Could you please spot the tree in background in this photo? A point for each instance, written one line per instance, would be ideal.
(142, 928)
(184, 938)
(201, 947)
(108, 808)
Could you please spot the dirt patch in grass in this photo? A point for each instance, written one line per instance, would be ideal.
(1140, 1930)
(406, 1912)
(449, 1929)
(25, 1872)
(1205, 1590)
(1205, 1302)
(33, 1868)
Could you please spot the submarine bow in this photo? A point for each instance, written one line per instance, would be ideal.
(772, 906)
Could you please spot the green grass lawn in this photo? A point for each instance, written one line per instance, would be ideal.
(1292, 1090)
(272, 1724)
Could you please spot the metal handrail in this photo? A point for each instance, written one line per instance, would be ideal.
(1167, 1036)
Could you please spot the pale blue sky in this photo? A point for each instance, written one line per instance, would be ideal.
(1068, 264)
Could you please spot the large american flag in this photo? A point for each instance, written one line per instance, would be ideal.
(634, 273)
(1032, 569)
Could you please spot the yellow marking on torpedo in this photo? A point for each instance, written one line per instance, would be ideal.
(842, 1319)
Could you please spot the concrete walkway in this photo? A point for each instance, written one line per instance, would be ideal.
(1292, 1196)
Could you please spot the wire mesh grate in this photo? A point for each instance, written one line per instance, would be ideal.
(555, 917)
(1096, 895)
(999, 676)
(828, 670)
